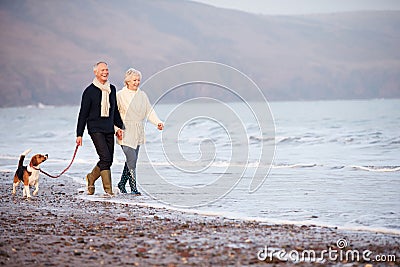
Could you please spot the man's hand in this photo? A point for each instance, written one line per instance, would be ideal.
(160, 126)
(79, 140)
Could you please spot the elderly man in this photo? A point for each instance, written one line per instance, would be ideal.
(99, 113)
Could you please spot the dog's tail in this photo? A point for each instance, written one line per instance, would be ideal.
(20, 170)
(22, 157)
(26, 152)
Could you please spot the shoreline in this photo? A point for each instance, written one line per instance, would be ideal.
(60, 228)
(232, 216)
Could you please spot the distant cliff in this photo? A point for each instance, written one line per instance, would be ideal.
(48, 48)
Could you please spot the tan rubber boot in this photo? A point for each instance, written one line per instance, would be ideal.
(106, 178)
(91, 178)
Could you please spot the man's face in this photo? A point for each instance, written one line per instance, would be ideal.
(102, 72)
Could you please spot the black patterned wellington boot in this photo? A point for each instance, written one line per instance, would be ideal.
(132, 183)
(124, 179)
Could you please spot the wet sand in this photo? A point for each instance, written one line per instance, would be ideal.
(59, 228)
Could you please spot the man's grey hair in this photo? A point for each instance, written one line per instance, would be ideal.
(97, 64)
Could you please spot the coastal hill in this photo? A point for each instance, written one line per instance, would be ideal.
(48, 48)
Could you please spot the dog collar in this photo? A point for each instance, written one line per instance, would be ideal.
(30, 168)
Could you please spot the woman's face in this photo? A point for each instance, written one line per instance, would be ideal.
(134, 82)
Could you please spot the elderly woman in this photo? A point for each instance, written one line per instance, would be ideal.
(134, 107)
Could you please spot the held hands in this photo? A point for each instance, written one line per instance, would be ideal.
(119, 134)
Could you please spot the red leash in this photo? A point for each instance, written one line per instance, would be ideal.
(52, 176)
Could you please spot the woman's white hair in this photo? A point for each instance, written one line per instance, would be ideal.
(131, 72)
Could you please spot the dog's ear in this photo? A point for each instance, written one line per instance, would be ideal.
(34, 161)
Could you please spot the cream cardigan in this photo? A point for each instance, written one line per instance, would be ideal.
(134, 107)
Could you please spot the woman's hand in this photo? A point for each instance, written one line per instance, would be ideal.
(160, 126)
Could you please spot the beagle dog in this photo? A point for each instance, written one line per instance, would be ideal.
(29, 175)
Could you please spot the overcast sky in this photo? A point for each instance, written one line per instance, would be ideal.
(287, 7)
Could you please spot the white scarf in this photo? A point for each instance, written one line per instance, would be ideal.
(127, 96)
(105, 92)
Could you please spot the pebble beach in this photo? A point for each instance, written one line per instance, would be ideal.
(60, 228)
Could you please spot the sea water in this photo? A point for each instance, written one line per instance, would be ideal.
(334, 163)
